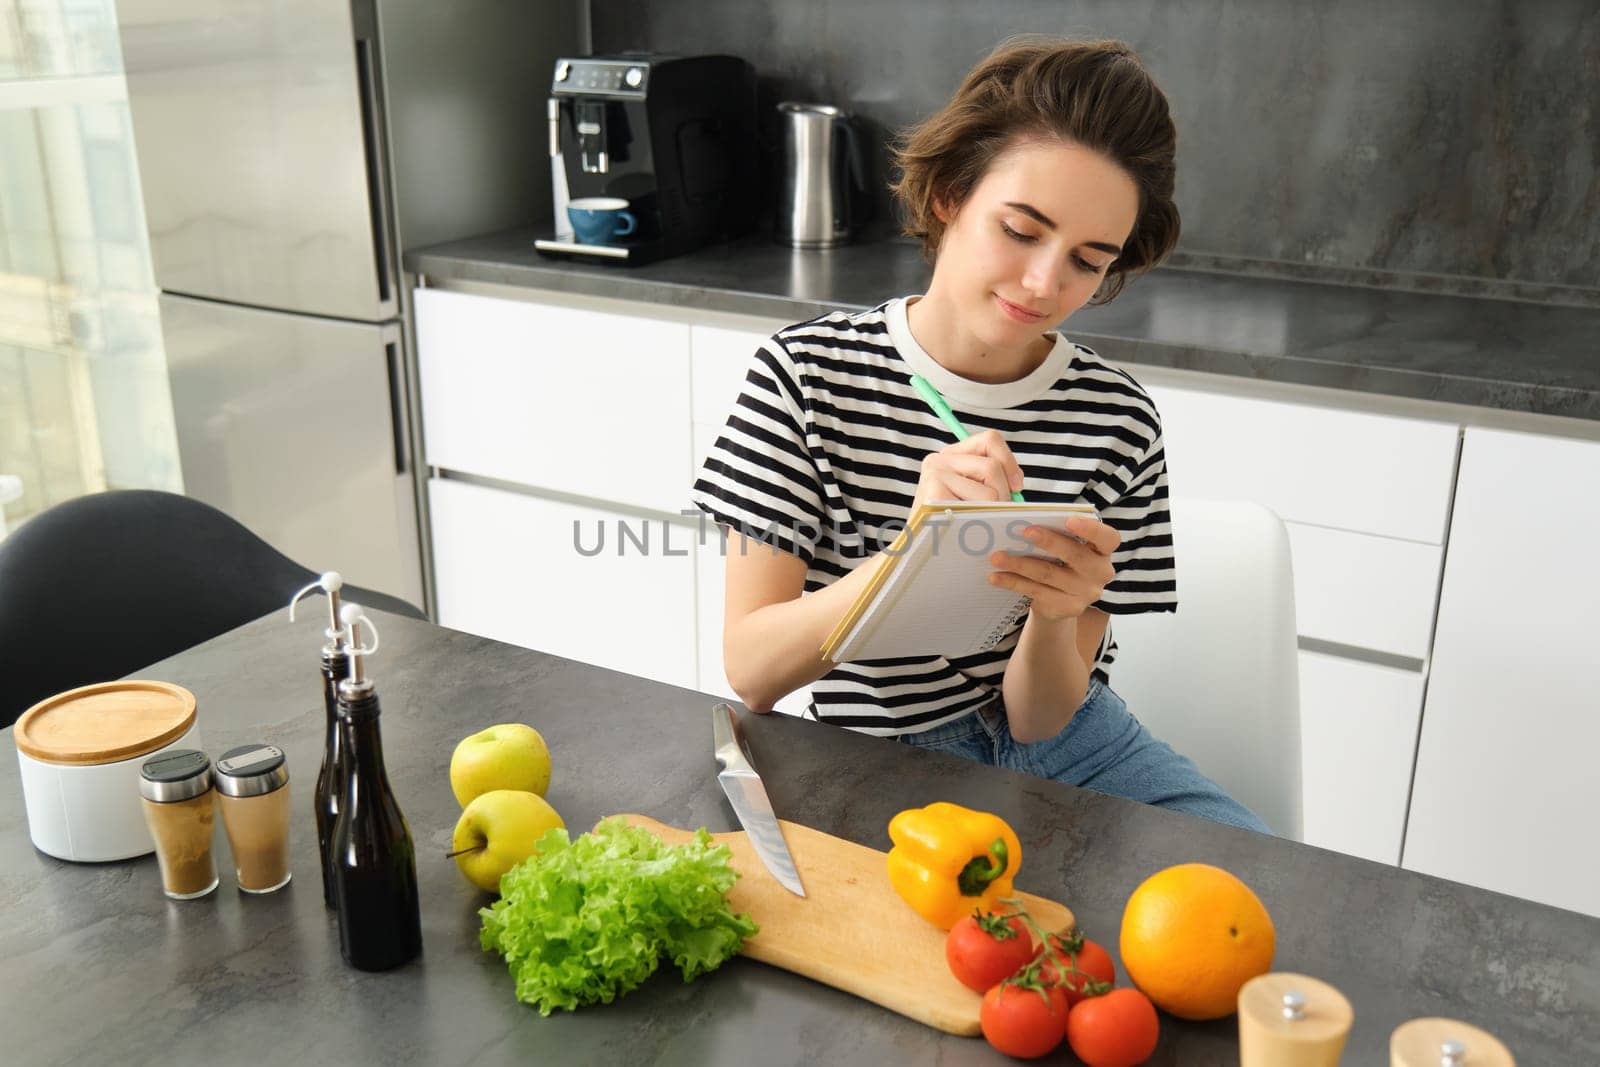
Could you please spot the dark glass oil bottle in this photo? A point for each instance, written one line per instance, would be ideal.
(330, 779)
(372, 860)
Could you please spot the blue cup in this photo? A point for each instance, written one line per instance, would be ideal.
(598, 220)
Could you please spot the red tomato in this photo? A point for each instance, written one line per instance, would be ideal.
(1092, 961)
(1024, 1022)
(982, 950)
(1116, 1029)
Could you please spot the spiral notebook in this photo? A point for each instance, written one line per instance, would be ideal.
(931, 595)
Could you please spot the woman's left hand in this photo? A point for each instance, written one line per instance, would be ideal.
(1067, 586)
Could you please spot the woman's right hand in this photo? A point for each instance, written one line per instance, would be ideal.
(979, 468)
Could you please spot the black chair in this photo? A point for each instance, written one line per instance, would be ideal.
(100, 586)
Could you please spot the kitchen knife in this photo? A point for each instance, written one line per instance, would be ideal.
(749, 799)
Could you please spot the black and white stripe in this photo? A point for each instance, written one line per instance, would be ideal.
(821, 457)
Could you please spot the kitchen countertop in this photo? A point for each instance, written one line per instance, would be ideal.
(1501, 354)
(96, 966)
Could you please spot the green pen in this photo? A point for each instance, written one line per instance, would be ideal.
(931, 397)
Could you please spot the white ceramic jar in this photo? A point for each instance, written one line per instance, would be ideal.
(80, 753)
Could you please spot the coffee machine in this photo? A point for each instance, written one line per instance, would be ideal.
(674, 136)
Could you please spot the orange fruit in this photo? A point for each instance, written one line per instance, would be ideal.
(1192, 935)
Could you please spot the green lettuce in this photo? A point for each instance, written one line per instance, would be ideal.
(586, 921)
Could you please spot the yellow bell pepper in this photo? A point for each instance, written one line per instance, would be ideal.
(948, 861)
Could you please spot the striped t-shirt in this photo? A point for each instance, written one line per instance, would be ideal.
(822, 453)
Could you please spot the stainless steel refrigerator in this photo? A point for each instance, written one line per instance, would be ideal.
(288, 151)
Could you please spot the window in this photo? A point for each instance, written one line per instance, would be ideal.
(84, 401)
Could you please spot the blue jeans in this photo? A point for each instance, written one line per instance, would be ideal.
(1103, 748)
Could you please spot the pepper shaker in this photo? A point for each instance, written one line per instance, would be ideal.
(1435, 1042)
(180, 809)
(253, 793)
(1292, 1020)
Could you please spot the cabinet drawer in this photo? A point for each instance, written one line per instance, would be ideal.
(506, 566)
(1347, 470)
(575, 401)
(1358, 734)
(1371, 592)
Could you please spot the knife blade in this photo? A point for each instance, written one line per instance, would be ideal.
(748, 796)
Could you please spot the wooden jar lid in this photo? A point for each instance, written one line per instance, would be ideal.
(1418, 1043)
(1268, 1036)
(105, 723)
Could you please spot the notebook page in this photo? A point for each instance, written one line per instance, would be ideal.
(913, 557)
(868, 601)
(939, 600)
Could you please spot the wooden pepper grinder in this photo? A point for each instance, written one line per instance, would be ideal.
(1292, 1020)
(1446, 1043)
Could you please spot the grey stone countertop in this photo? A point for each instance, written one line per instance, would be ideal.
(1489, 353)
(97, 966)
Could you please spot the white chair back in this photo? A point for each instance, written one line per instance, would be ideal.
(1218, 680)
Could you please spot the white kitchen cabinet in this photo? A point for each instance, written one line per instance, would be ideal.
(564, 399)
(1506, 790)
(1346, 470)
(1368, 592)
(1358, 731)
(508, 566)
(1365, 498)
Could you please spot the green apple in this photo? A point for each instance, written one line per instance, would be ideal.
(499, 830)
(510, 755)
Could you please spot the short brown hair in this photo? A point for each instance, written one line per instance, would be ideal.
(1092, 93)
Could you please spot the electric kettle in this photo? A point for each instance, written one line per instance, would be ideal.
(823, 194)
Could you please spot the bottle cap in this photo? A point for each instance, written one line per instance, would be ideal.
(251, 770)
(174, 775)
(354, 619)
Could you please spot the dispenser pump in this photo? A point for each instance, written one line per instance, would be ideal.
(331, 583)
(353, 633)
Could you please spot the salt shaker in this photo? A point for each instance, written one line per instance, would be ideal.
(253, 793)
(1292, 1020)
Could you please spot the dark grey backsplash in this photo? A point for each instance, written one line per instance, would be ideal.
(1361, 137)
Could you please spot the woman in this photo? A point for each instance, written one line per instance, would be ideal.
(1047, 178)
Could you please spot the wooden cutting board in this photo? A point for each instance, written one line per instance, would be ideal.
(851, 930)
